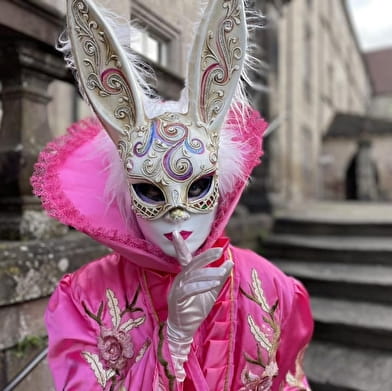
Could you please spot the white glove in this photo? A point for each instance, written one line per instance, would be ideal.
(191, 297)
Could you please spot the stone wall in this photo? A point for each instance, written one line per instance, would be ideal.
(29, 271)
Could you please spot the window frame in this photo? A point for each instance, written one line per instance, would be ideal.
(163, 31)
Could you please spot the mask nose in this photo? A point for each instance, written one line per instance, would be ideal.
(177, 215)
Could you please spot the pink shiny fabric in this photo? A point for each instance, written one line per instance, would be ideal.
(218, 356)
(106, 322)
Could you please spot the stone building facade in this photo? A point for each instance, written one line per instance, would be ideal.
(321, 71)
(353, 138)
(380, 63)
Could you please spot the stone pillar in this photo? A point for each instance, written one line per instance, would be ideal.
(24, 131)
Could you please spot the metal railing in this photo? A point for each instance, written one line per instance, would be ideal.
(26, 370)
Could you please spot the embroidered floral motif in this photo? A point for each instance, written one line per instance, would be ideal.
(115, 346)
(267, 341)
(298, 379)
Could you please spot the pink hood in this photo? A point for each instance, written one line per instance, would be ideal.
(71, 189)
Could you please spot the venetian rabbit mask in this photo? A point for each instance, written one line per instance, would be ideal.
(171, 161)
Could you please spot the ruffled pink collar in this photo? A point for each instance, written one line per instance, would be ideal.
(71, 188)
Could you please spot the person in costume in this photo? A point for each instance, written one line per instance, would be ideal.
(175, 306)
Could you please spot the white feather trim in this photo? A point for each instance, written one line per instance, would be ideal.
(116, 188)
(231, 160)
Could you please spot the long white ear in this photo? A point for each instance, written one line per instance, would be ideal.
(105, 75)
(216, 61)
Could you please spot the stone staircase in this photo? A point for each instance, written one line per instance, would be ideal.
(342, 252)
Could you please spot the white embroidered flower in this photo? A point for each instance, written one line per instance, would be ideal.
(271, 369)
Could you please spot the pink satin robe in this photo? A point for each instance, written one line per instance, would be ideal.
(106, 322)
(253, 339)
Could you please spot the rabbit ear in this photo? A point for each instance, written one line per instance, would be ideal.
(105, 76)
(216, 61)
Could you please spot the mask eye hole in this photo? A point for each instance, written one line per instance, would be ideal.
(200, 187)
(148, 192)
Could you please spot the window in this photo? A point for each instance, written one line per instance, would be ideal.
(151, 46)
(156, 38)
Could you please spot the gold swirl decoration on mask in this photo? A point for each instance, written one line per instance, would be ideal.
(101, 67)
(221, 57)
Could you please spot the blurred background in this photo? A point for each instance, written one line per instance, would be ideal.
(319, 206)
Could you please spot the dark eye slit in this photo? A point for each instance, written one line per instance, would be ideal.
(148, 192)
(200, 187)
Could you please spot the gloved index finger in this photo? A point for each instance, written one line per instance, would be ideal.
(184, 256)
(204, 259)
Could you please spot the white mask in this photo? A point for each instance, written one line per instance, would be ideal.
(173, 181)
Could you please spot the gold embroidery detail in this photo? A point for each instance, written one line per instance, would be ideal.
(142, 351)
(298, 379)
(113, 308)
(102, 376)
(267, 339)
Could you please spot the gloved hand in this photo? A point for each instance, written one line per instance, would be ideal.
(192, 295)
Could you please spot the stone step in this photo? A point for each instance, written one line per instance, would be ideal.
(352, 323)
(345, 211)
(316, 227)
(354, 282)
(331, 367)
(364, 250)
